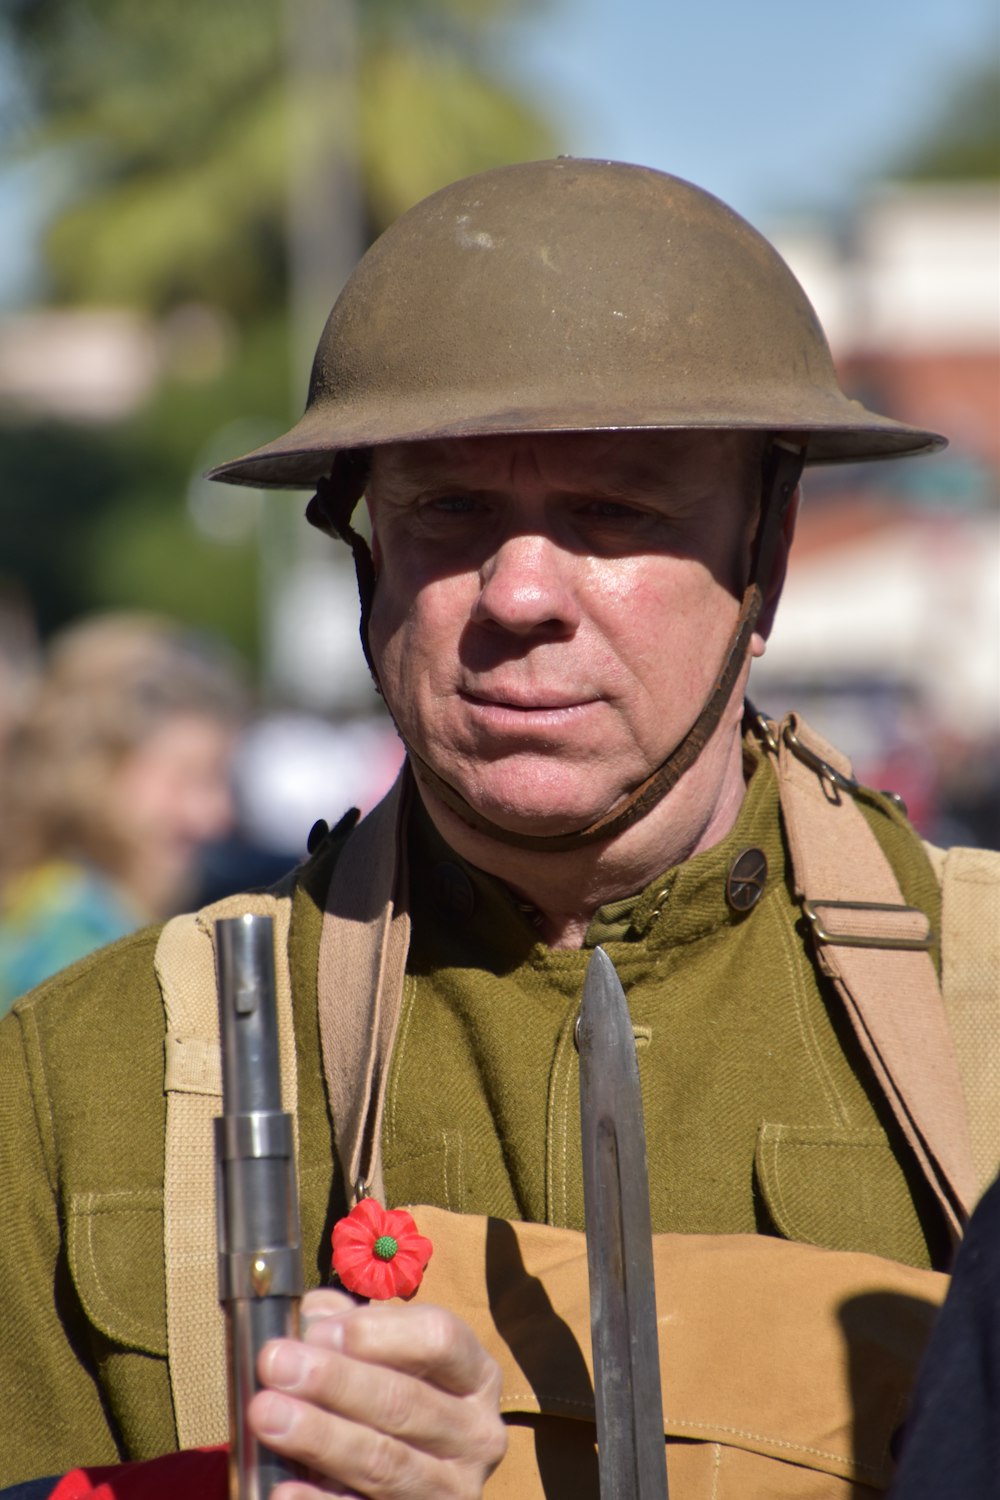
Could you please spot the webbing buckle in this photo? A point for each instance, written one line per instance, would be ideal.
(761, 726)
(823, 933)
(816, 763)
(823, 768)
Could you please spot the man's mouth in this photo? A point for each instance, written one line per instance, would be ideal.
(522, 703)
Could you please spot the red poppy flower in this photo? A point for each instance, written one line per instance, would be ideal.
(378, 1252)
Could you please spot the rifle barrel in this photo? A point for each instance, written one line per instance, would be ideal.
(260, 1252)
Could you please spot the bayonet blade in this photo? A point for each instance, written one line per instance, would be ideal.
(630, 1446)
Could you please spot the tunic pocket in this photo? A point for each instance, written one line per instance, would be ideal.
(839, 1188)
(115, 1248)
(435, 1176)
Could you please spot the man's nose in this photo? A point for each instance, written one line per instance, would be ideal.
(528, 585)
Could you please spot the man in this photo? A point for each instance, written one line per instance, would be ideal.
(577, 397)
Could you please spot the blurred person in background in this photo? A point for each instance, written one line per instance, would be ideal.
(114, 777)
(20, 657)
(284, 766)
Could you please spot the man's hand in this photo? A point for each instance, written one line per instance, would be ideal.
(387, 1401)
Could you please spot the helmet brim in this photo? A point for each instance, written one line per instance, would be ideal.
(306, 452)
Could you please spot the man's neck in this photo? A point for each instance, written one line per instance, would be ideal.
(568, 888)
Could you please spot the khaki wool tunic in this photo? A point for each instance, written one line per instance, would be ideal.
(761, 1114)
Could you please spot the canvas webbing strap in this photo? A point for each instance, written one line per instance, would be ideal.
(362, 965)
(185, 968)
(970, 981)
(861, 930)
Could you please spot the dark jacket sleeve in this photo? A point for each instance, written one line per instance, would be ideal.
(951, 1442)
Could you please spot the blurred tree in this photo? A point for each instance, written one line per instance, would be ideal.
(173, 125)
(176, 134)
(56, 478)
(961, 141)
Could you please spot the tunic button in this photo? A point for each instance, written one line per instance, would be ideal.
(453, 889)
(746, 879)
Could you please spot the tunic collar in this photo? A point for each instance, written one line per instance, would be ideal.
(683, 904)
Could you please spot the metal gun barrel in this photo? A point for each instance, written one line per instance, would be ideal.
(260, 1253)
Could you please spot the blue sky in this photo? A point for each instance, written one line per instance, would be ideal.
(778, 106)
(775, 105)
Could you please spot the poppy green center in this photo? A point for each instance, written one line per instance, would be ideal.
(385, 1247)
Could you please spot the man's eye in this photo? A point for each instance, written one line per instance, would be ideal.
(613, 510)
(454, 505)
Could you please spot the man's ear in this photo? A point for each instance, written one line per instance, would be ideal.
(779, 567)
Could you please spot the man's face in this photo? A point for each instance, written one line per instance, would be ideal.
(551, 612)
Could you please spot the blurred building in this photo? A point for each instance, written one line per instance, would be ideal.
(909, 295)
(102, 364)
(888, 634)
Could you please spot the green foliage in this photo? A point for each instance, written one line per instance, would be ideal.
(205, 229)
(144, 548)
(426, 120)
(962, 142)
(96, 518)
(56, 479)
(175, 125)
(173, 128)
(145, 553)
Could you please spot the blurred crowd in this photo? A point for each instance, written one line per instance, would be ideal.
(137, 780)
(115, 773)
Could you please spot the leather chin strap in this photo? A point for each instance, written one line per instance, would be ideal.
(331, 509)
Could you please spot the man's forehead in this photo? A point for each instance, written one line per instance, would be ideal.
(628, 457)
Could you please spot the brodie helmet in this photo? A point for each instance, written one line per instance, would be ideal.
(568, 295)
(565, 296)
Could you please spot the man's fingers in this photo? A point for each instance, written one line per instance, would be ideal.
(385, 1401)
(356, 1458)
(323, 1300)
(426, 1342)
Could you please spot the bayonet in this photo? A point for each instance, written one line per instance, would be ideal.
(630, 1444)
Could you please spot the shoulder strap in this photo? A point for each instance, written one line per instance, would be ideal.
(185, 969)
(873, 948)
(360, 983)
(970, 981)
(362, 965)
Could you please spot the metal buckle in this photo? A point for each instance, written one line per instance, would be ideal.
(816, 763)
(761, 726)
(823, 934)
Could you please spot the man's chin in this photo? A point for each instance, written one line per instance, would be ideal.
(538, 822)
(518, 806)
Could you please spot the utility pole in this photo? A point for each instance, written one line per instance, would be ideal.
(325, 241)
